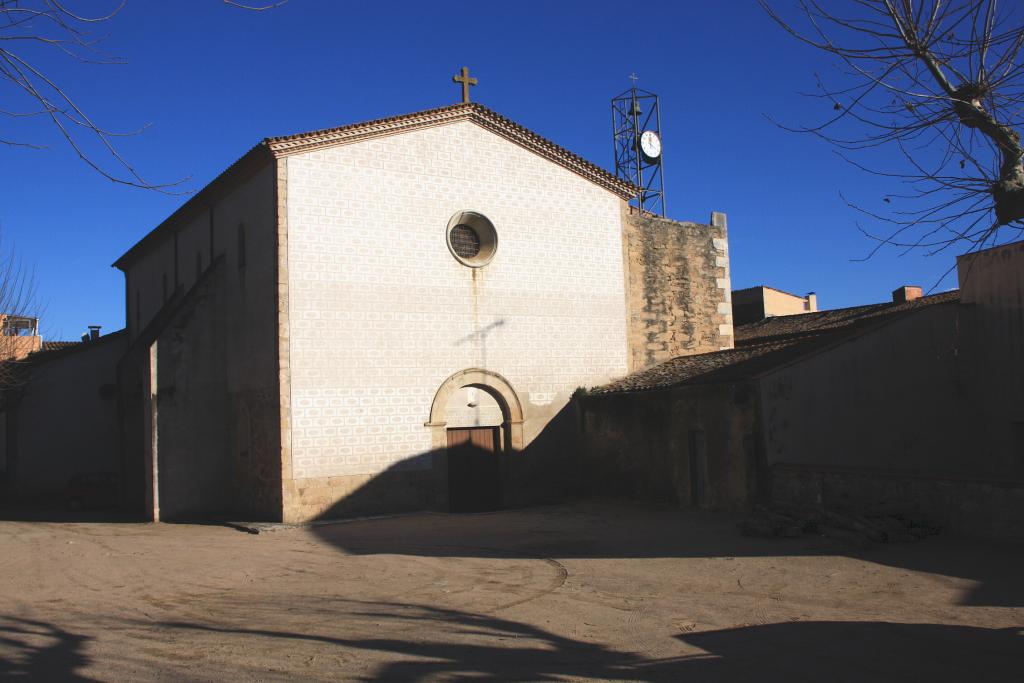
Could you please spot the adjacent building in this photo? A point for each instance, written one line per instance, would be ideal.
(917, 400)
(757, 303)
(59, 419)
(19, 336)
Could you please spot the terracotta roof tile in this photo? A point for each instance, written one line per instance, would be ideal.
(706, 368)
(767, 344)
(800, 324)
(470, 111)
(59, 349)
(58, 345)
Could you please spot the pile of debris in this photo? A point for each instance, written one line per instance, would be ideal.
(883, 524)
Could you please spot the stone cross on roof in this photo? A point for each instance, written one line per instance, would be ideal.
(466, 81)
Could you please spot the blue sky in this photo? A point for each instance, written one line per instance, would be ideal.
(211, 81)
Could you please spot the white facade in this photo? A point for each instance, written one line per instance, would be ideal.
(380, 313)
(310, 295)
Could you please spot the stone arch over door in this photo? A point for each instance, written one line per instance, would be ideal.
(510, 429)
(494, 384)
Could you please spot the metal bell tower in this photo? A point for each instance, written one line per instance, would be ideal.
(636, 135)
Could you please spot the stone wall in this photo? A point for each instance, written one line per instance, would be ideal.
(63, 421)
(647, 446)
(678, 287)
(992, 287)
(991, 508)
(899, 396)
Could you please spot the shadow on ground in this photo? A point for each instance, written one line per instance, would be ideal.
(601, 530)
(440, 646)
(305, 628)
(38, 651)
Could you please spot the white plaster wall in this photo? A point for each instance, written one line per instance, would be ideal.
(145, 285)
(381, 314)
(193, 238)
(251, 319)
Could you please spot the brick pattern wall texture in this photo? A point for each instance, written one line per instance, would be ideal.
(380, 313)
(678, 287)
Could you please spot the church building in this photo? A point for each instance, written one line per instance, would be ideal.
(394, 315)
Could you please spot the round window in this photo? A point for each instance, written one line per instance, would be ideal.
(465, 241)
(472, 238)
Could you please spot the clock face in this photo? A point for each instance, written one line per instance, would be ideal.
(650, 145)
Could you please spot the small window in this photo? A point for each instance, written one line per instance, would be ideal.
(472, 239)
(17, 326)
(241, 245)
(465, 242)
(138, 312)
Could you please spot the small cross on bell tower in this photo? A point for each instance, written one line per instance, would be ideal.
(466, 81)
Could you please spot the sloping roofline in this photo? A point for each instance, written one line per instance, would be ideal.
(46, 355)
(831, 319)
(273, 148)
(756, 357)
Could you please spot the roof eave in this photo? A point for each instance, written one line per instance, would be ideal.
(253, 160)
(473, 112)
(270, 149)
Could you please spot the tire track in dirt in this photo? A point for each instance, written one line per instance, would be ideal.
(561, 574)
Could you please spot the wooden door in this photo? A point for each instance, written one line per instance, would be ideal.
(474, 482)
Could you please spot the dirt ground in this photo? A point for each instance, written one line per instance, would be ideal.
(575, 592)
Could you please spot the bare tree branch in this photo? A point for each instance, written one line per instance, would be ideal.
(255, 8)
(53, 25)
(942, 82)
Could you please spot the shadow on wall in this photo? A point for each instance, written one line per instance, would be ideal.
(64, 515)
(687, 446)
(217, 442)
(471, 479)
(456, 644)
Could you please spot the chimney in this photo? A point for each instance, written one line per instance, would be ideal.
(906, 293)
(812, 302)
(94, 332)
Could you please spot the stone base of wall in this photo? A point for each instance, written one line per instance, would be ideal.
(971, 507)
(526, 478)
(356, 495)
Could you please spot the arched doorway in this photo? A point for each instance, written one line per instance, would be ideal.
(476, 421)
